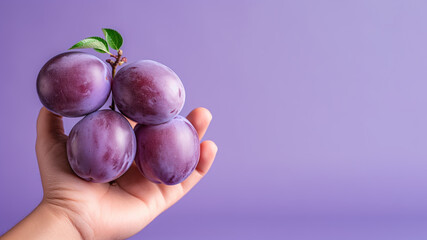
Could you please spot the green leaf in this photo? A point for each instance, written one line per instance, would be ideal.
(114, 39)
(97, 43)
(99, 50)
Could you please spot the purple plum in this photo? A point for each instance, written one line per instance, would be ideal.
(167, 153)
(148, 92)
(101, 146)
(74, 84)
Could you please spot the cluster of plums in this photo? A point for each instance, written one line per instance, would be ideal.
(102, 146)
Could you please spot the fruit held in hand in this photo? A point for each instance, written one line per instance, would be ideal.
(101, 146)
(148, 92)
(73, 84)
(167, 153)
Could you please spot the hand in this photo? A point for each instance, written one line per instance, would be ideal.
(101, 210)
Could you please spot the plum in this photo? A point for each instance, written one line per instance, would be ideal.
(167, 153)
(74, 84)
(148, 92)
(101, 146)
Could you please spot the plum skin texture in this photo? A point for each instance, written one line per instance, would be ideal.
(73, 84)
(101, 147)
(167, 153)
(148, 92)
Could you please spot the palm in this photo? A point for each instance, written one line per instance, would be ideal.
(105, 210)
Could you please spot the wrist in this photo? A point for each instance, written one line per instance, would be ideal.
(61, 219)
(47, 221)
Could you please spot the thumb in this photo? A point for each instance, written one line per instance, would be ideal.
(50, 130)
(51, 143)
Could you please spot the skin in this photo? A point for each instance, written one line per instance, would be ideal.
(73, 208)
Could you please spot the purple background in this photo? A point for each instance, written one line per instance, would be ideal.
(319, 110)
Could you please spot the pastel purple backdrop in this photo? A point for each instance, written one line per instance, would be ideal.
(319, 110)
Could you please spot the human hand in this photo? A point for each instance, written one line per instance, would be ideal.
(87, 210)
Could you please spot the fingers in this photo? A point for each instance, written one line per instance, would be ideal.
(137, 185)
(200, 118)
(208, 150)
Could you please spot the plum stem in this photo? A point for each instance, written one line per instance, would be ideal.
(119, 61)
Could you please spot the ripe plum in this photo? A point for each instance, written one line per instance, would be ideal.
(101, 146)
(167, 153)
(74, 84)
(148, 92)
